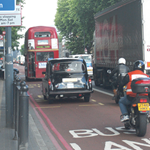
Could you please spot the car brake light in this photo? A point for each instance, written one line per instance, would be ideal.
(143, 82)
(49, 82)
(143, 100)
(68, 69)
(90, 80)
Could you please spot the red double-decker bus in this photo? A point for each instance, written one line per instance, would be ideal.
(41, 44)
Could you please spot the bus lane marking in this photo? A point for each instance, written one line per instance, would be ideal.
(86, 133)
(75, 146)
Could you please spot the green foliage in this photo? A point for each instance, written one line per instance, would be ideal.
(75, 21)
(14, 30)
(22, 49)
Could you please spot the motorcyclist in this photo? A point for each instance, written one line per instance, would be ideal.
(126, 101)
(120, 70)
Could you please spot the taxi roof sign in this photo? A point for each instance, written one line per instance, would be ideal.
(7, 5)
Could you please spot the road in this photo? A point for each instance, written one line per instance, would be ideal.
(79, 125)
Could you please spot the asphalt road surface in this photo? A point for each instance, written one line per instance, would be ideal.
(80, 125)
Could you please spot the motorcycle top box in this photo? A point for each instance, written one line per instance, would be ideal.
(140, 85)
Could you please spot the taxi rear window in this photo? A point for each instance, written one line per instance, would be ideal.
(69, 66)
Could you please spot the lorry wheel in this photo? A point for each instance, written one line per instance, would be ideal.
(96, 82)
(141, 125)
(104, 82)
(87, 98)
(117, 99)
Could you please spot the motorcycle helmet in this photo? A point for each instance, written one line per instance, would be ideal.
(121, 61)
(139, 65)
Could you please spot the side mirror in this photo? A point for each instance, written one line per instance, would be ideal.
(109, 71)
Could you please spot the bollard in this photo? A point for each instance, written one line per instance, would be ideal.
(23, 117)
(16, 99)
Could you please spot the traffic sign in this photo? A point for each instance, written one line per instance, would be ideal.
(11, 19)
(7, 5)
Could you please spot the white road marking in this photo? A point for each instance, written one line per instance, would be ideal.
(102, 92)
(75, 146)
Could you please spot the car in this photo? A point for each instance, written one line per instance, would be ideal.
(66, 77)
(2, 70)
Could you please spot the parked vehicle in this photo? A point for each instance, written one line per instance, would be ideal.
(66, 77)
(22, 60)
(140, 107)
(2, 71)
(121, 30)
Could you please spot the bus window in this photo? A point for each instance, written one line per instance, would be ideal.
(44, 56)
(42, 34)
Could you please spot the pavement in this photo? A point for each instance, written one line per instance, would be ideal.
(38, 138)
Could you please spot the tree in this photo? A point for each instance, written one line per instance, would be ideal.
(75, 21)
(14, 30)
(22, 49)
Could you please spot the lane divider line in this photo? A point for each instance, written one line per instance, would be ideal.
(93, 100)
(62, 140)
(100, 103)
(102, 92)
(49, 107)
(89, 105)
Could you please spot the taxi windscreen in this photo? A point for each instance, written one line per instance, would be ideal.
(69, 66)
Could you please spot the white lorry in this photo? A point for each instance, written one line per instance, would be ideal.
(88, 60)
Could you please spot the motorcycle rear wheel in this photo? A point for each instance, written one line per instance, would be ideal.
(141, 126)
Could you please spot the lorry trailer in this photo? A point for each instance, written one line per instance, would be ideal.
(122, 30)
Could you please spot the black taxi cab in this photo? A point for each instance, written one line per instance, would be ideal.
(66, 77)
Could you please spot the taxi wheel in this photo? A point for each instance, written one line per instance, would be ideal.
(50, 99)
(45, 97)
(87, 98)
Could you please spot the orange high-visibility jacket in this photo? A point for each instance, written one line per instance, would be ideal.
(133, 75)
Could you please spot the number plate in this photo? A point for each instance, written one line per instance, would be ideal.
(143, 106)
(70, 85)
(90, 70)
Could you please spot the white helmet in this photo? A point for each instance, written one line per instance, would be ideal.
(121, 61)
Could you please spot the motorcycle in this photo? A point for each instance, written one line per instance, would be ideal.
(120, 94)
(139, 110)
